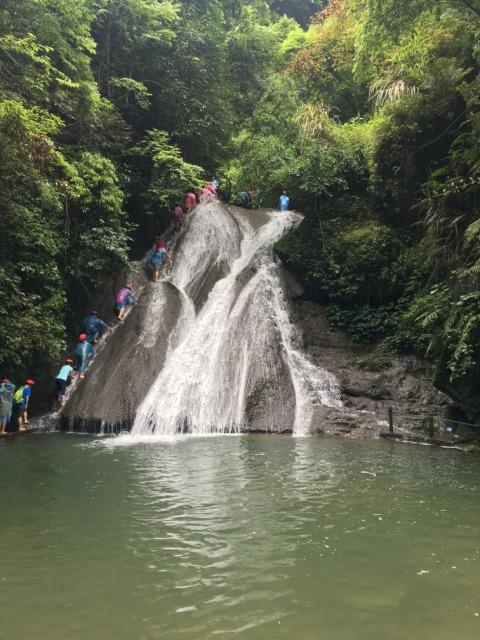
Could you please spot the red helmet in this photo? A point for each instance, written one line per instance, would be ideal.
(68, 361)
(29, 381)
(82, 337)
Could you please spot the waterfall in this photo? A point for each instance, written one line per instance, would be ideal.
(234, 348)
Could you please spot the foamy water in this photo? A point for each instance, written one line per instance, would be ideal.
(240, 341)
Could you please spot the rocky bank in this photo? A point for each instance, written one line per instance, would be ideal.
(402, 383)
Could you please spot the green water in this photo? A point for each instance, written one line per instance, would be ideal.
(249, 537)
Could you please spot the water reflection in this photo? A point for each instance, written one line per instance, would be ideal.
(215, 527)
(251, 536)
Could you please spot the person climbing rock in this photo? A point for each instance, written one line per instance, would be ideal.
(157, 261)
(284, 202)
(6, 403)
(63, 379)
(92, 325)
(252, 195)
(206, 194)
(159, 244)
(125, 298)
(258, 200)
(190, 201)
(21, 399)
(215, 183)
(178, 214)
(83, 353)
(243, 199)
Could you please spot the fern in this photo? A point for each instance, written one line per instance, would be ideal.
(381, 92)
(473, 230)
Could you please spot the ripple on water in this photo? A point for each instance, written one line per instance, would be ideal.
(264, 538)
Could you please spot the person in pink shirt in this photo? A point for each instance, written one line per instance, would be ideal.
(205, 195)
(190, 201)
(125, 297)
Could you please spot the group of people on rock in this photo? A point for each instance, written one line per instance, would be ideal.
(14, 401)
(93, 327)
(14, 404)
(202, 195)
(158, 256)
(192, 198)
(208, 191)
(253, 199)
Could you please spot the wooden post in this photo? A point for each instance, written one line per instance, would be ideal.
(390, 419)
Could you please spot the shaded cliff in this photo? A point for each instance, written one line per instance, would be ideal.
(370, 383)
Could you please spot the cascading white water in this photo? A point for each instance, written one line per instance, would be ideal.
(241, 343)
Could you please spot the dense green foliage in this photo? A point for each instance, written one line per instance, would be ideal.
(371, 121)
(366, 111)
(109, 111)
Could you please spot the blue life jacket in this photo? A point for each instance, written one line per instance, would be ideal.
(93, 324)
(84, 349)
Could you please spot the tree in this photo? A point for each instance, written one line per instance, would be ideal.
(170, 176)
(299, 10)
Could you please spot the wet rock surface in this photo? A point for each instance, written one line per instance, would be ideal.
(404, 385)
(133, 355)
(126, 366)
(207, 268)
(270, 403)
(131, 358)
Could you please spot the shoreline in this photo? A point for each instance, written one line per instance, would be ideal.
(467, 446)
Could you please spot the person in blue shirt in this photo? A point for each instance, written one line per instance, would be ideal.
(83, 352)
(6, 403)
(284, 202)
(63, 379)
(92, 325)
(243, 199)
(157, 262)
(21, 399)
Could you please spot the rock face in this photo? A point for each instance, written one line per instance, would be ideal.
(203, 363)
(127, 365)
(226, 343)
(403, 385)
(235, 370)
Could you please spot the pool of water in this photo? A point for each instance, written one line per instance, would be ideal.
(248, 537)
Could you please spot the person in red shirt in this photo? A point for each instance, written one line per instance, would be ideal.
(159, 244)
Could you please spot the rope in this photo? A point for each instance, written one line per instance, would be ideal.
(439, 418)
